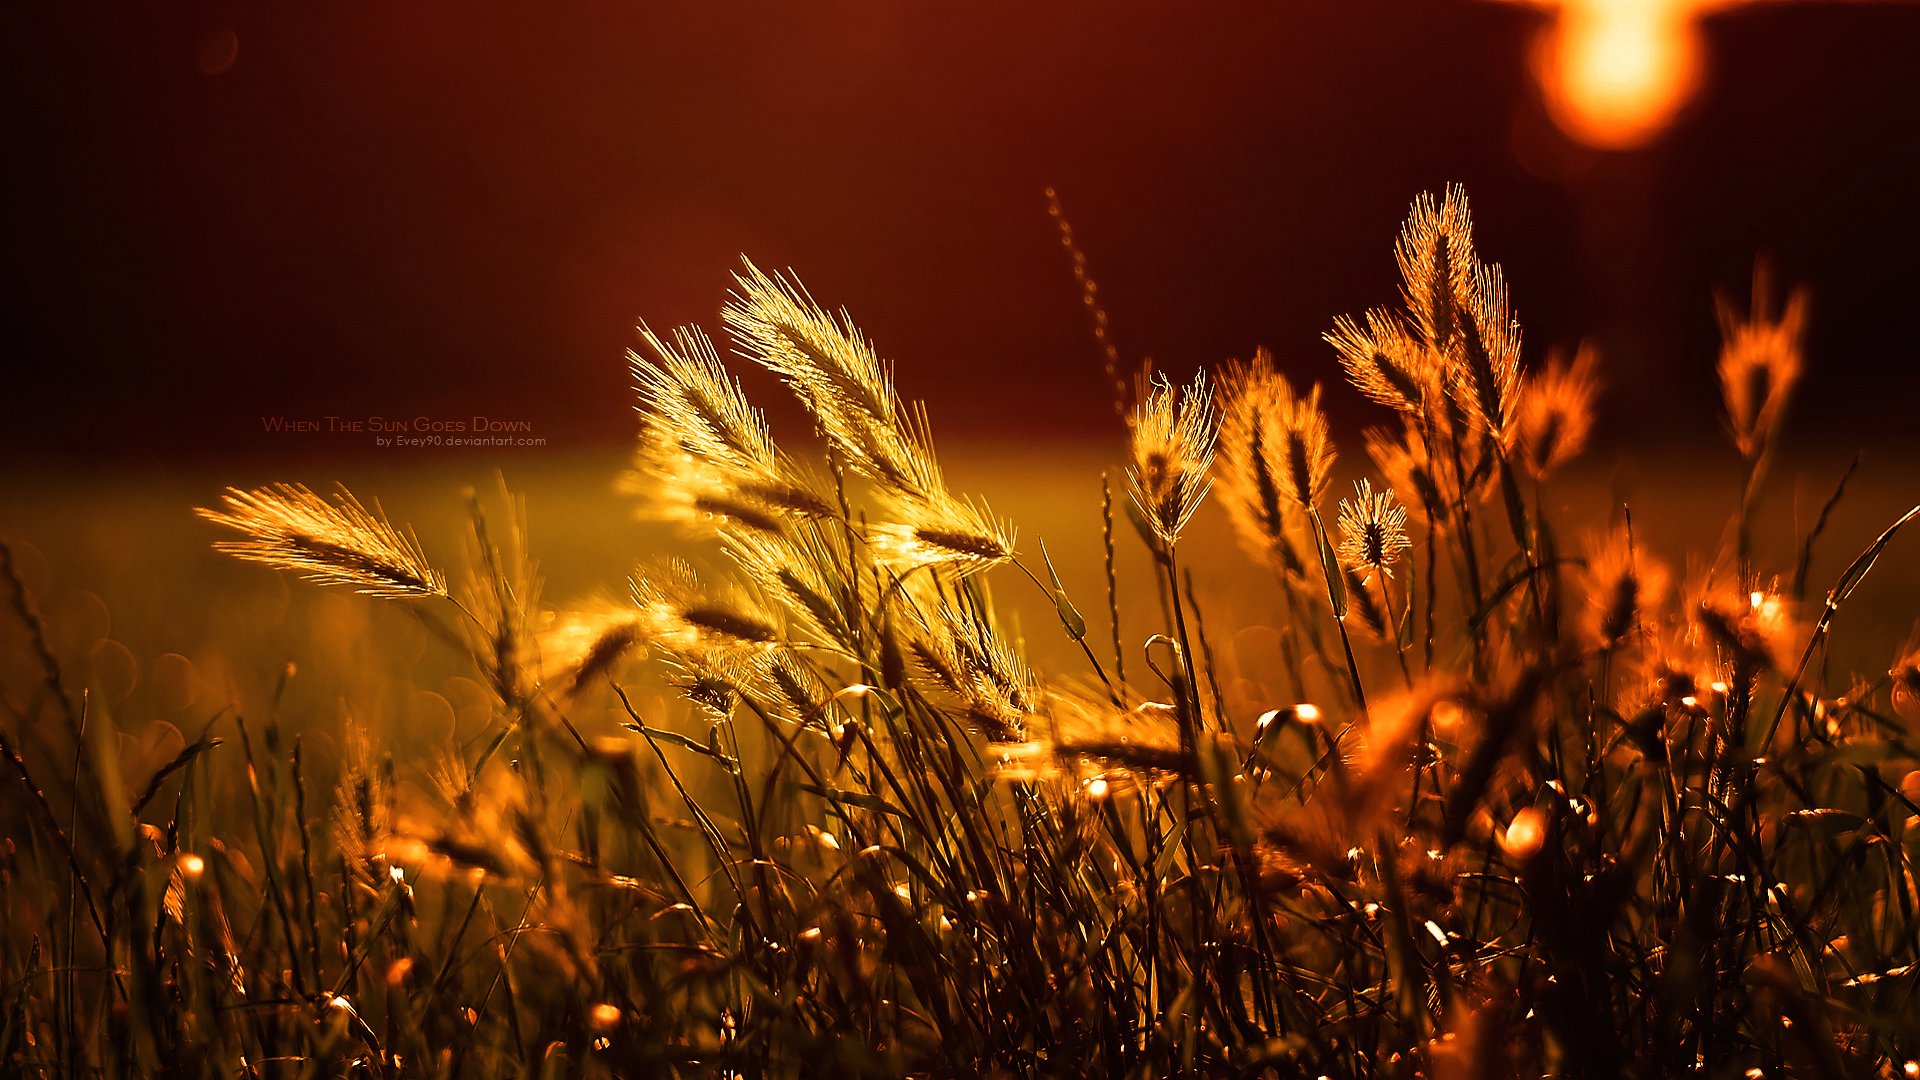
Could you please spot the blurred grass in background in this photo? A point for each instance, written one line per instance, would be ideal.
(131, 586)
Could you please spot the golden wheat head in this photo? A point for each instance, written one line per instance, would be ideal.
(687, 392)
(1373, 530)
(1436, 257)
(968, 661)
(838, 376)
(1760, 360)
(1459, 307)
(1385, 361)
(1556, 412)
(1261, 428)
(1173, 444)
(288, 527)
(680, 611)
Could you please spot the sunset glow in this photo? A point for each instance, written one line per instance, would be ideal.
(1615, 73)
(823, 540)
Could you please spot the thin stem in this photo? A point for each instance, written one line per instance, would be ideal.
(1393, 628)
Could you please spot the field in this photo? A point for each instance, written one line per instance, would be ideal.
(736, 758)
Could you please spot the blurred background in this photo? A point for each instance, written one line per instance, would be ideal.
(219, 211)
(217, 214)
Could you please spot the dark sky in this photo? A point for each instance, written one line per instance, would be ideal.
(439, 209)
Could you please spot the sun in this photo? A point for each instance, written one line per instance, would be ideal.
(1615, 73)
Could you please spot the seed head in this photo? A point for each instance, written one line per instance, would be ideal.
(1173, 444)
(1373, 531)
(1556, 413)
(1760, 360)
(1257, 406)
(1436, 257)
(677, 610)
(1385, 361)
(288, 527)
(1623, 585)
(956, 533)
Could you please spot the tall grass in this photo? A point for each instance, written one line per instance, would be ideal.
(1519, 803)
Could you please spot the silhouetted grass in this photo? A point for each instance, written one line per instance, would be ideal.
(1528, 804)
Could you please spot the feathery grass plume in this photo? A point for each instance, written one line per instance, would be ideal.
(477, 827)
(1373, 531)
(1383, 748)
(1460, 307)
(1374, 757)
(1760, 360)
(711, 677)
(849, 390)
(839, 378)
(1414, 478)
(502, 590)
(1256, 404)
(682, 487)
(1437, 263)
(1419, 478)
(1088, 737)
(1306, 450)
(1385, 361)
(363, 817)
(1623, 585)
(288, 527)
(960, 534)
(1173, 436)
(587, 642)
(705, 454)
(798, 695)
(1463, 451)
(675, 486)
(1675, 664)
(1272, 439)
(804, 572)
(689, 394)
(1361, 602)
(1556, 412)
(683, 613)
(967, 660)
(1486, 357)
